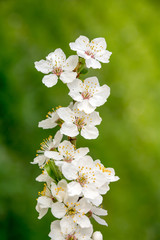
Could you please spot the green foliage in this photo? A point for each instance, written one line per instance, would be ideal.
(129, 133)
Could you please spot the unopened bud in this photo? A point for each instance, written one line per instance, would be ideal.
(97, 236)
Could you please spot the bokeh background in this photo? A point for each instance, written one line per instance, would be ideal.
(129, 133)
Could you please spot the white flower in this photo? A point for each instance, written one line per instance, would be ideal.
(50, 122)
(97, 236)
(72, 209)
(47, 145)
(108, 173)
(59, 191)
(86, 178)
(57, 64)
(76, 121)
(44, 202)
(71, 231)
(88, 94)
(67, 153)
(49, 196)
(92, 52)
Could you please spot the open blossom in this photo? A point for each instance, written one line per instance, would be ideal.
(66, 153)
(72, 209)
(88, 94)
(44, 202)
(71, 231)
(50, 195)
(51, 121)
(93, 52)
(76, 121)
(59, 67)
(86, 178)
(47, 145)
(108, 173)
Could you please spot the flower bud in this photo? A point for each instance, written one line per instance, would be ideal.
(97, 236)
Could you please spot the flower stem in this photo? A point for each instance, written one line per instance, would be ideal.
(72, 140)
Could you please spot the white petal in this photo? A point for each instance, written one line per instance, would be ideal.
(99, 211)
(76, 96)
(99, 43)
(80, 43)
(76, 85)
(47, 123)
(100, 98)
(69, 171)
(41, 211)
(53, 154)
(84, 233)
(67, 225)
(104, 188)
(92, 63)
(89, 132)
(97, 201)
(44, 202)
(81, 152)
(91, 82)
(71, 63)
(103, 56)
(82, 220)
(66, 114)
(90, 191)
(86, 106)
(50, 80)
(74, 188)
(40, 160)
(69, 129)
(99, 220)
(58, 209)
(57, 139)
(56, 231)
(84, 206)
(44, 66)
(96, 119)
(68, 76)
(57, 57)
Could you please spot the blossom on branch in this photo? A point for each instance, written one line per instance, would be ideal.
(88, 94)
(93, 52)
(76, 121)
(59, 67)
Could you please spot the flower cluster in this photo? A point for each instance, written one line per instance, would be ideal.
(73, 182)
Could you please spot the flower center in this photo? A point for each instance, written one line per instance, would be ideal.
(71, 237)
(57, 71)
(86, 95)
(79, 122)
(88, 53)
(68, 159)
(82, 180)
(71, 211)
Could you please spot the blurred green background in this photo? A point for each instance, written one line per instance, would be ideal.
(129, 133)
